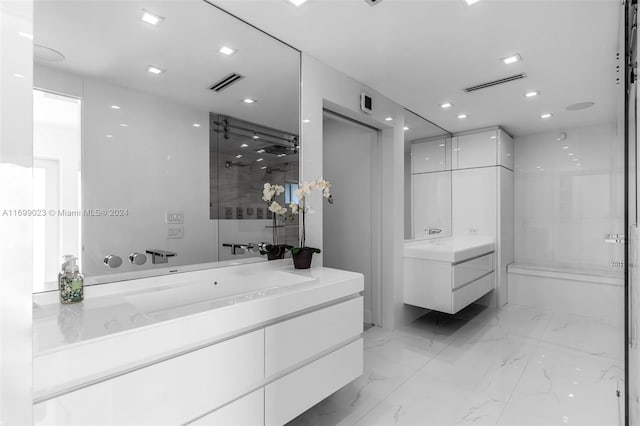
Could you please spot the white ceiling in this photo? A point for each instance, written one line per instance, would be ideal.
(422, 53)
(106, 40)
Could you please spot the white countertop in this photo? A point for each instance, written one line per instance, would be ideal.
(138, 320)
(449, 249)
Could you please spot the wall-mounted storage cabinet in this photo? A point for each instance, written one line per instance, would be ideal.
(483, 149)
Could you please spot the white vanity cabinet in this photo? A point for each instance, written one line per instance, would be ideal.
(448, 275)
(302, 344)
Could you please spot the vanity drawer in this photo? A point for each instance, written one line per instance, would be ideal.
(470, 270)
(294, 393)
(300, 338)
(471, 292)
(248, 410)
(174, 391)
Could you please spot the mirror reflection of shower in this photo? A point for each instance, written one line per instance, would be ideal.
(245, 156)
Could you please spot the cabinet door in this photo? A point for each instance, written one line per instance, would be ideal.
(505, 150)
(431, 156)
(476, 150)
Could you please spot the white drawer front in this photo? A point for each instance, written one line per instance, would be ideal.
(171, 392)
(472, 292)
(300, 338)
(247, 411)
(466, 272)
(294, 393)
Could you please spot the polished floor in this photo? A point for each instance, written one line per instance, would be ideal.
(511, 366)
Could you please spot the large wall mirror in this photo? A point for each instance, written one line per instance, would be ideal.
(156, 125)
(427, 169)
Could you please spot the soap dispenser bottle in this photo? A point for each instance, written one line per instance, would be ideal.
(72, 283)
(65, 262)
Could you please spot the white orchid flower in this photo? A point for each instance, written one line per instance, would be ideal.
(294, 208)
(279, 189)
(276, 208)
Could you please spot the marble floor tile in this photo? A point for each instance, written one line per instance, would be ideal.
(590, 335)
(511, 366)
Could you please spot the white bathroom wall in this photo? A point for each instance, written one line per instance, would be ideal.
(16, 115)
(160, 132)
(568, 195)
(325, 87)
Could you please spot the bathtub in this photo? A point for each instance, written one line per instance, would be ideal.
(587, 291)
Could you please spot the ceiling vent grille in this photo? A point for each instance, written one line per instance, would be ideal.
(226, 82)
(495, 83)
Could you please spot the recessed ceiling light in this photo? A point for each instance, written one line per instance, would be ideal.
(256, 137)
(470, 2)
(546, 115)
(196, 125)
(427, 158)
(297, 2)
(532, 94)
(154, 70)
(239, 156)
(225, 50)
(512, 59)
(260, 159)
(26, 35)
(442, 144)
(115, 107)
(446, 105)
(462, 116)
(493, 137)
(124, 125)
(388, 119)
(570, 154)
(16, 75)
(405, 128)
(108, 136)
(244, 145)
(565, 147)
(306, 121)
(260, 151)
(151, 18)
(248, 101)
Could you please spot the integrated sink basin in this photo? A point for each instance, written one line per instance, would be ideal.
(449, 249)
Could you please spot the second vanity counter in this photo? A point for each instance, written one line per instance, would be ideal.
(296, 317)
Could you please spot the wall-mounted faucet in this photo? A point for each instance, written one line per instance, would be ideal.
(238, 248)
(160, 256)
(434, 231)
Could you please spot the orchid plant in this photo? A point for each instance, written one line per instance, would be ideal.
(302, 208)
(269, 193)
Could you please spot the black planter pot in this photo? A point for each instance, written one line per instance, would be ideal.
(277, 252)
(302, 259)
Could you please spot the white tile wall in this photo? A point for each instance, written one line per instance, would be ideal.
(568, 195)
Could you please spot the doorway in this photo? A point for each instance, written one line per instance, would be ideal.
(351, 226)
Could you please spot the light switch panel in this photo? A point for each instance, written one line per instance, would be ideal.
(175, 233)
